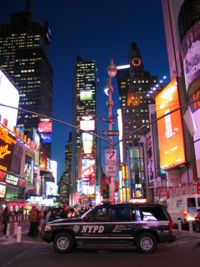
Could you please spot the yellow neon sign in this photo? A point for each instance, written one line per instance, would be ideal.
(6, 138)
(4, 151)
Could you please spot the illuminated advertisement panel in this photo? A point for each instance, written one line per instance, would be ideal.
(46, 138)
(87, 143)
(8, 96)
(191, 55)
(11, 179)
(88, 168)
(195, 107)
(87, 124)
(29, 168)
(36, 139)
(86, 95)
(45, 127)
(43, 160)
(7, 143)
(2, 190)
(2, 176)
(170, 132)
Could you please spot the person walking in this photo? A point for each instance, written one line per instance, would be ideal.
(6, 217)
(33, 230)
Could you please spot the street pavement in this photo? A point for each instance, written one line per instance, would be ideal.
(32, 252)
(182, 237)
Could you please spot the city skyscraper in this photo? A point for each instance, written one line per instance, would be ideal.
(135, 90)
(23, 54)
(84, 167)
(65, 180)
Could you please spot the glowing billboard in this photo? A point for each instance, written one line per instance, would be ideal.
(88, 168)
(87, 143)
(8, 96)
(29, 167)
(7, 143)
(195, 107)
(46, 138)
(85, 95)
(2, 190)
(170, 132)
(87, 124)
(45, 127)
(191, 56)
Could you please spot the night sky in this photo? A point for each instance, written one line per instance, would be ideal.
(95, 30)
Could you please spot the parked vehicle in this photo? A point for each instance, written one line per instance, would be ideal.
(183, 208)
(197, 221)
(141, 225)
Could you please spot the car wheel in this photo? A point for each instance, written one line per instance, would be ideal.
(146, 243)
(63, 242)
(197, 226)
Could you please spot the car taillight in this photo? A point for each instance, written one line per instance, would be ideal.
(185, 214)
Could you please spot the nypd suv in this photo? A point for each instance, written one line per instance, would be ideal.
(142, 225)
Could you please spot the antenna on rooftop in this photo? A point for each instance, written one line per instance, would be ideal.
(27, 4)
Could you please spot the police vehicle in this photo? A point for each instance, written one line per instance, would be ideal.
(142, 225)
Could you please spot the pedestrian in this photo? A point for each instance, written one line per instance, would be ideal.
(1, 215)
(33, 230)
(6, 217)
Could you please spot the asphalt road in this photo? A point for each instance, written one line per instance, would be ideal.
(35, 253)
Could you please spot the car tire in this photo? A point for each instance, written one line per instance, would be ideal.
(63, 243)
(197, 226)
(146, 243)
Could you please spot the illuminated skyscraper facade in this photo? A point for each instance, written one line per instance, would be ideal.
(84, 117)
(136, 90)
(23, 54)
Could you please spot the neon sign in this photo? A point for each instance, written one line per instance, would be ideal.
(7, 143)
(4, 151)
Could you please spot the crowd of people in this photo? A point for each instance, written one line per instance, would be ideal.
(38, 216)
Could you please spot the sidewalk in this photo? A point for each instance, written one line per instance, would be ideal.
(186, 233)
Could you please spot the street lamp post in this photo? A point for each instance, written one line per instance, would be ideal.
(112, 71)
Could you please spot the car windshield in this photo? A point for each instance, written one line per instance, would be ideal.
(86, 213)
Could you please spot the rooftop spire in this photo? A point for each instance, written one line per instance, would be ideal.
(27, 4)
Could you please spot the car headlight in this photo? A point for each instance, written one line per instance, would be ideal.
(47, 228)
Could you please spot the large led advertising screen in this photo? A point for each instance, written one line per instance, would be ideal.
(45, 127)
(195, 107)
(170, 132)
(29, 168)
(8, 96)
(85, 95)
(88, 168)
(87, 140)
(191, 55)
(2, 190)
(7, 144)
(87, 124)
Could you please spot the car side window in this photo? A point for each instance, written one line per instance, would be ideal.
(100, 215)
(153, 214)
(191, 202)
(123, 214)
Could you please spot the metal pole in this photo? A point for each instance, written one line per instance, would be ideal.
(112, 71)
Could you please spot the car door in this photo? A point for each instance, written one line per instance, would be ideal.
(96, 226)
(124, 223)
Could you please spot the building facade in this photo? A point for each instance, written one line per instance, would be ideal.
(136, 89)
(23, 54)
(177, 21)
(84, 144)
